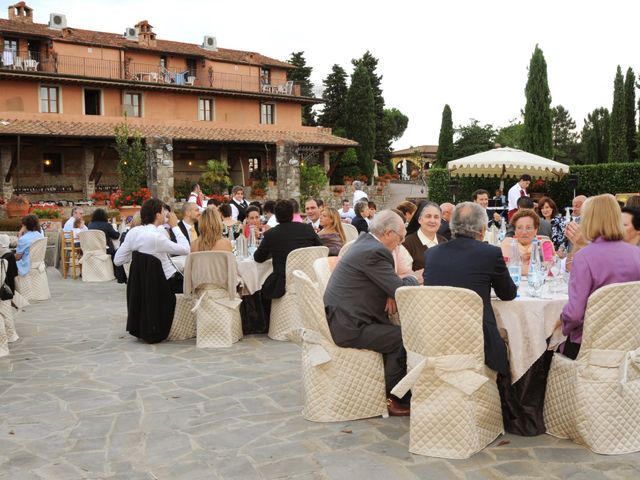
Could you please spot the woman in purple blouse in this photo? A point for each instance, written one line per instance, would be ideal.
(606, 260)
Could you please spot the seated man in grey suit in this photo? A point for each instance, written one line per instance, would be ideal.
(360, 294)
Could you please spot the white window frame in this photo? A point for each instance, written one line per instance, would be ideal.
(40, 98)
(212, 112)
(273, 113)
(140, 106)
(84, 109)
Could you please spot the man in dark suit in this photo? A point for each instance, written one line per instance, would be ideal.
(359, 297)
(467, 262)
(189, 223)
(278, 242)
(444, 230)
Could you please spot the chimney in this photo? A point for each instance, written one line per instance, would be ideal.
(145, 34)
(20, 12)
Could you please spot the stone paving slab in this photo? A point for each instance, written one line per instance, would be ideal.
(81, 399)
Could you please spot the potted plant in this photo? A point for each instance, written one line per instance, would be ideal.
(216, 177)
(257, 192)
(17, 206)
(131, 171)
(50, 216)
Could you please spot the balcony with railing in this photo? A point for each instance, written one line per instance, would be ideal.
(140, 72)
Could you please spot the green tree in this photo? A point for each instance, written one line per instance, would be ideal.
(313, 179)
(334, 96)
(595, 136)
(538, 136)
(512, 135)
(565, 138)
(473, 138)
(347, 166)
(445, 141)
(618, 152)
(382, 141)
(215, 178)
(132, 174)
(395, 123)
(361, 118)
(630, 108)
(301, 74)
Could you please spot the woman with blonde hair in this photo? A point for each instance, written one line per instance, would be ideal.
(607, 259)
(210, 238)
(332, 234)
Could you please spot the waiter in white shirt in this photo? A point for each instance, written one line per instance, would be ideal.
(238, 204)
(197, 197)
(517, 191)
(148, 239)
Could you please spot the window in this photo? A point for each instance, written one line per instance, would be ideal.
(267, 113)
(265, 76)
(205, 109)
(52, 163)
(163, 61)
(49, 99)
(254, 164)
(133, 104)
(191, 66)
(11, 45)
(92, 102)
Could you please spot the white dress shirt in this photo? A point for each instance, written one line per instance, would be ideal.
(272, 222)
(193, 198)
(68, 225)
(350, 214)
(357, 195)
(425, 241)
(514, 195)
(234, 210)
(148, 239)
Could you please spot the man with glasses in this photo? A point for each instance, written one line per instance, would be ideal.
(76, 214)
(360, 296)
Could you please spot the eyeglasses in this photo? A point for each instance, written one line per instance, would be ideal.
(525, 229)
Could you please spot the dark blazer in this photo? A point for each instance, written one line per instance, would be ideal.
(360, 223)
(109, 233)
(467, 263)
(444, 229)
(416, 249)
(358, 289)
(277, 243)
(150, 301)
(185, 231)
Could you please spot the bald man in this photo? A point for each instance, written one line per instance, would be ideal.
(444, 229)
(576, 207)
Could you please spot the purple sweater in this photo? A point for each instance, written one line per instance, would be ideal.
(598, 264)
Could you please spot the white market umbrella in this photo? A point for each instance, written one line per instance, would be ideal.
(506, 162)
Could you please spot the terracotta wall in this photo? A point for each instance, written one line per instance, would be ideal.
(84, 51)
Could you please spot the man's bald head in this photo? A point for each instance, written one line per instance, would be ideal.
(577, 203)
(446, 209)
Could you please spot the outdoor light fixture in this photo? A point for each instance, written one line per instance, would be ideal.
(293, 162)
(47, 162)
(169, 147)
(190, 163)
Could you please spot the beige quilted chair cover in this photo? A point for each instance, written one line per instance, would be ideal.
(6, 314)
(212, 277)
(345, 248)
(338, 384)
(455, 406)
(350, 232)
(285, 314)
(595, 399)
(322, 272)
(183, 326)
(97, 265)
(34, 285)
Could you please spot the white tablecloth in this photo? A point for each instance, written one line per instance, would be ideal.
(251, 273)
(525, 323)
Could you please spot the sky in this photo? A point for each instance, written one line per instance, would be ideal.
(472, 55)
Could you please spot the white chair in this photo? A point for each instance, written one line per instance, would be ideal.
(34, 285)
(212, 277)
(338, 384)
(97, 265)
(8, 332)
(345, 248)
(18, 63)
(455, 405)
(594, 400)
(285, 316)
(190, 80)
(183, 325)
(322, 272)
(350, 232)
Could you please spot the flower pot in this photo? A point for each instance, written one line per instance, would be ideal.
(127, 211)
(17, 210)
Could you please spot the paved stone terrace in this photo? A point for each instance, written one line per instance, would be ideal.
(81, 399)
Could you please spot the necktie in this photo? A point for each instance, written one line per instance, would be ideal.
(194, 234)
(522, 194)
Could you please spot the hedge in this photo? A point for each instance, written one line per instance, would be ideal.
(594, 180)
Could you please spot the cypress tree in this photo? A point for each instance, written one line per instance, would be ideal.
(302, 74)
(630, 114)
(360, 118)
(382, 143)
(595, 136)
(334, 96)
(445, 141)
(538, 137)
(618, 129)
